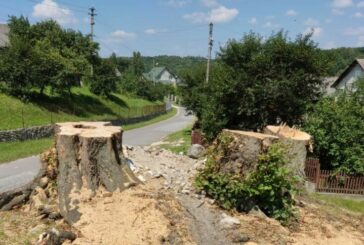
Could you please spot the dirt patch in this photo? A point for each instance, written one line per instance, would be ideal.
(139, 215)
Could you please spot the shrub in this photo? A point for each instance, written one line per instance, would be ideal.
(270, 187)
(336, 124)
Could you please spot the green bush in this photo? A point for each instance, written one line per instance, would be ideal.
(337, 127)
(270, 187)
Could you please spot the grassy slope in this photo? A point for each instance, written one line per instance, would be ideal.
(16, 150)
(179, 141)
(83, 106)
(341, 202)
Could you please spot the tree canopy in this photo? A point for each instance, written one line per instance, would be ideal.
(255, 82)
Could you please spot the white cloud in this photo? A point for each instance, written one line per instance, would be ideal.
(121, 35)
(337, 12)
(337, 4)
(316, 31)
(220, 14)
(210, 3)
(358, 15)
(360, 4)
(152, 31)
(177, 3)
(223, 14)
(360, 42)
(311, 22)
(269, 24)
(291, 12)
(253, 21)
(329, 45)
(49, 9)
(358, 31)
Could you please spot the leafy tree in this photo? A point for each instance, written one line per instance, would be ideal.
(336, 124)
(137, 66)
(105, 79)
(255, 83)
(44, 54)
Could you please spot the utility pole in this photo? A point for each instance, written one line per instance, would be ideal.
(92, 23)
(92, 20)
(211, 42)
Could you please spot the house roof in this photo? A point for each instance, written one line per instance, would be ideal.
(359, 62)
(155, 72)
(4, 31)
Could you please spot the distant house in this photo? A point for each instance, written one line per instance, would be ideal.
(350, 75)
(162, 75)
(4, 31)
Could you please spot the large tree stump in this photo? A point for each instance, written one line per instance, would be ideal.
(89, 158)
(238, 151)
(296, 142)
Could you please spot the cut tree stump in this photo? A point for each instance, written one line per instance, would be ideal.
(90, 158)
(297, 142)
(240, 156)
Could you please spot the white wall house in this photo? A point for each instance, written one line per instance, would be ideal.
(350, 75)
(162, 75)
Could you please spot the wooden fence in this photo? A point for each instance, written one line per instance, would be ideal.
(331, 181)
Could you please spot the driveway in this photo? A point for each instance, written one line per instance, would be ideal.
(20, 172)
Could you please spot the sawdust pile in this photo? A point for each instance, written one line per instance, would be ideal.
(139, 215)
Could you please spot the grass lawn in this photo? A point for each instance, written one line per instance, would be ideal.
(15, 150)
(10, 151)
(354, 205)
(179, 141)
(83, 105)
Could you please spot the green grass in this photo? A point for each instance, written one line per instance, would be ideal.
(179, 141)
(10, 151)
(83, 105)
(151, 121)
(354, 205)
(15, 150)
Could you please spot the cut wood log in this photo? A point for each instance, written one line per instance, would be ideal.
(241, 154)
(296, 142)
(90, 158)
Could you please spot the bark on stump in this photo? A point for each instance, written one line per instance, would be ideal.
(90, 157)
(243, 149)
(296, 142)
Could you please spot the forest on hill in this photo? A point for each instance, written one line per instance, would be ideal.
(338, 58)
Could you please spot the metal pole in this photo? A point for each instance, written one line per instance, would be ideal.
(211, 42)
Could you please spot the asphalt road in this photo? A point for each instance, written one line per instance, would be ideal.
(20, 172)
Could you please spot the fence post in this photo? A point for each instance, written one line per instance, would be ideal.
(22, 116)
(318, 172)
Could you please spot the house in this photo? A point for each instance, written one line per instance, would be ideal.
(350, 75)
(162, 75)
(4, 31)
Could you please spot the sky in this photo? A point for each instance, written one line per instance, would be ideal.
(180, 27)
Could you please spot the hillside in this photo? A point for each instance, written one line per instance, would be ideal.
(83, 105)
(340, 58)
(176, 64)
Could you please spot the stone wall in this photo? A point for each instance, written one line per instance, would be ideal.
(48, 130)
(27, 133)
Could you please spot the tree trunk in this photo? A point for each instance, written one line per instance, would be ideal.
(90, 158)
(238, 151)
(296, 143)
